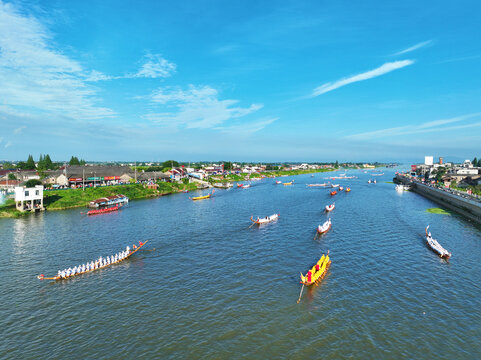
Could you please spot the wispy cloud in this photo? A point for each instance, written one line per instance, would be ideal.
(19, 130)
(464, 58)
(8, 144)
(412, 48)
(381, 70)
(195, 108)
(156, 66)
(427, 127)
(248, 128)
(36, 76)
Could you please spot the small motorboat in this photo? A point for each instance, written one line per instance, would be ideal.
(341, 188)
(330, 207)
(334, 192)
(348, 189)
(278, 182)
(246, 186)
(436, 247)
(265, 220)
(321, 229)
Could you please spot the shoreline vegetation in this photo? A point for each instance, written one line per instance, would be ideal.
(76, 198)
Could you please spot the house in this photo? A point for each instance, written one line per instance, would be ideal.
(29, 199)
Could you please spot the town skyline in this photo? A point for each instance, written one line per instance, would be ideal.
(297, 82)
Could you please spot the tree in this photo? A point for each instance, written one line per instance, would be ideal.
(8, 165)
(74, 161)
(48, 162)
(30, 164)
(32, 182)
(11, 176)
(440, 173)
(475, 162)
(227, 166)
(336, 165)
(170, 163)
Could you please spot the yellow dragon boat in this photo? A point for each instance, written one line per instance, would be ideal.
(203, 197)
(317, 272)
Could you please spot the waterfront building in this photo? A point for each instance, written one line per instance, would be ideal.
(29, 199)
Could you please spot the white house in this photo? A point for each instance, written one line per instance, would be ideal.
(29, 199)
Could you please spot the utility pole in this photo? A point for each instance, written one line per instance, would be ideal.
(83, 179)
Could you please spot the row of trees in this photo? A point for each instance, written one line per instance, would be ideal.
(44, 163)
(75, 161)
(476, 162)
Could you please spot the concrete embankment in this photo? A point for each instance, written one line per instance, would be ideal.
(467, 207)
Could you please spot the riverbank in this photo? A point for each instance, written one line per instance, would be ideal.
(74, 198)
(269, 174)
(465, 205)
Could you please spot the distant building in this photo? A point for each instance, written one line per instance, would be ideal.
(467, 164)
(29, 199)
(428, 160)
(440, 160)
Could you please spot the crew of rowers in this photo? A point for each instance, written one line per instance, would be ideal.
(93, 265)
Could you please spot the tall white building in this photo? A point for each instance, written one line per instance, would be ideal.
(428, 160)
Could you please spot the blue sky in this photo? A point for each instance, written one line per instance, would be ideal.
(242, 81)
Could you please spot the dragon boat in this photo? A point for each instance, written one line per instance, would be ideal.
(96, 265)
(203, 197)
(265, 220)
(436, 247)
(321, 229)
(317, 272)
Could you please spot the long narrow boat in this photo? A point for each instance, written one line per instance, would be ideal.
(436, 247)
(203, 197)
(320, 185)
(321, 229)
(317, 272)
(97, 265)
(287, 183)
(103, 210)
(265, 220)
(330, 207)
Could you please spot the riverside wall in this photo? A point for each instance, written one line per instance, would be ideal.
(468, 207)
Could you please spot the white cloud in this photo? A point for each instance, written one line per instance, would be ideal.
(19, 130)
(36, 76)
(412, 48)
(248, 128)
(155, 67)
(427, 127)
(383, 69)
(8, 144)
(195, 108)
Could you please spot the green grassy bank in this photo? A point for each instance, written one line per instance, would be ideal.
(72, 198)
(242, 176)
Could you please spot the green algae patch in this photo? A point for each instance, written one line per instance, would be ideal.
(438, 211)
(388, 182)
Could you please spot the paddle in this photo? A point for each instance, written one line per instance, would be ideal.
(300, 294)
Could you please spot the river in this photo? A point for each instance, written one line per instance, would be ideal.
(216, 288)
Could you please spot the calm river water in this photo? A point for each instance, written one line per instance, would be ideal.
(215, 288)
